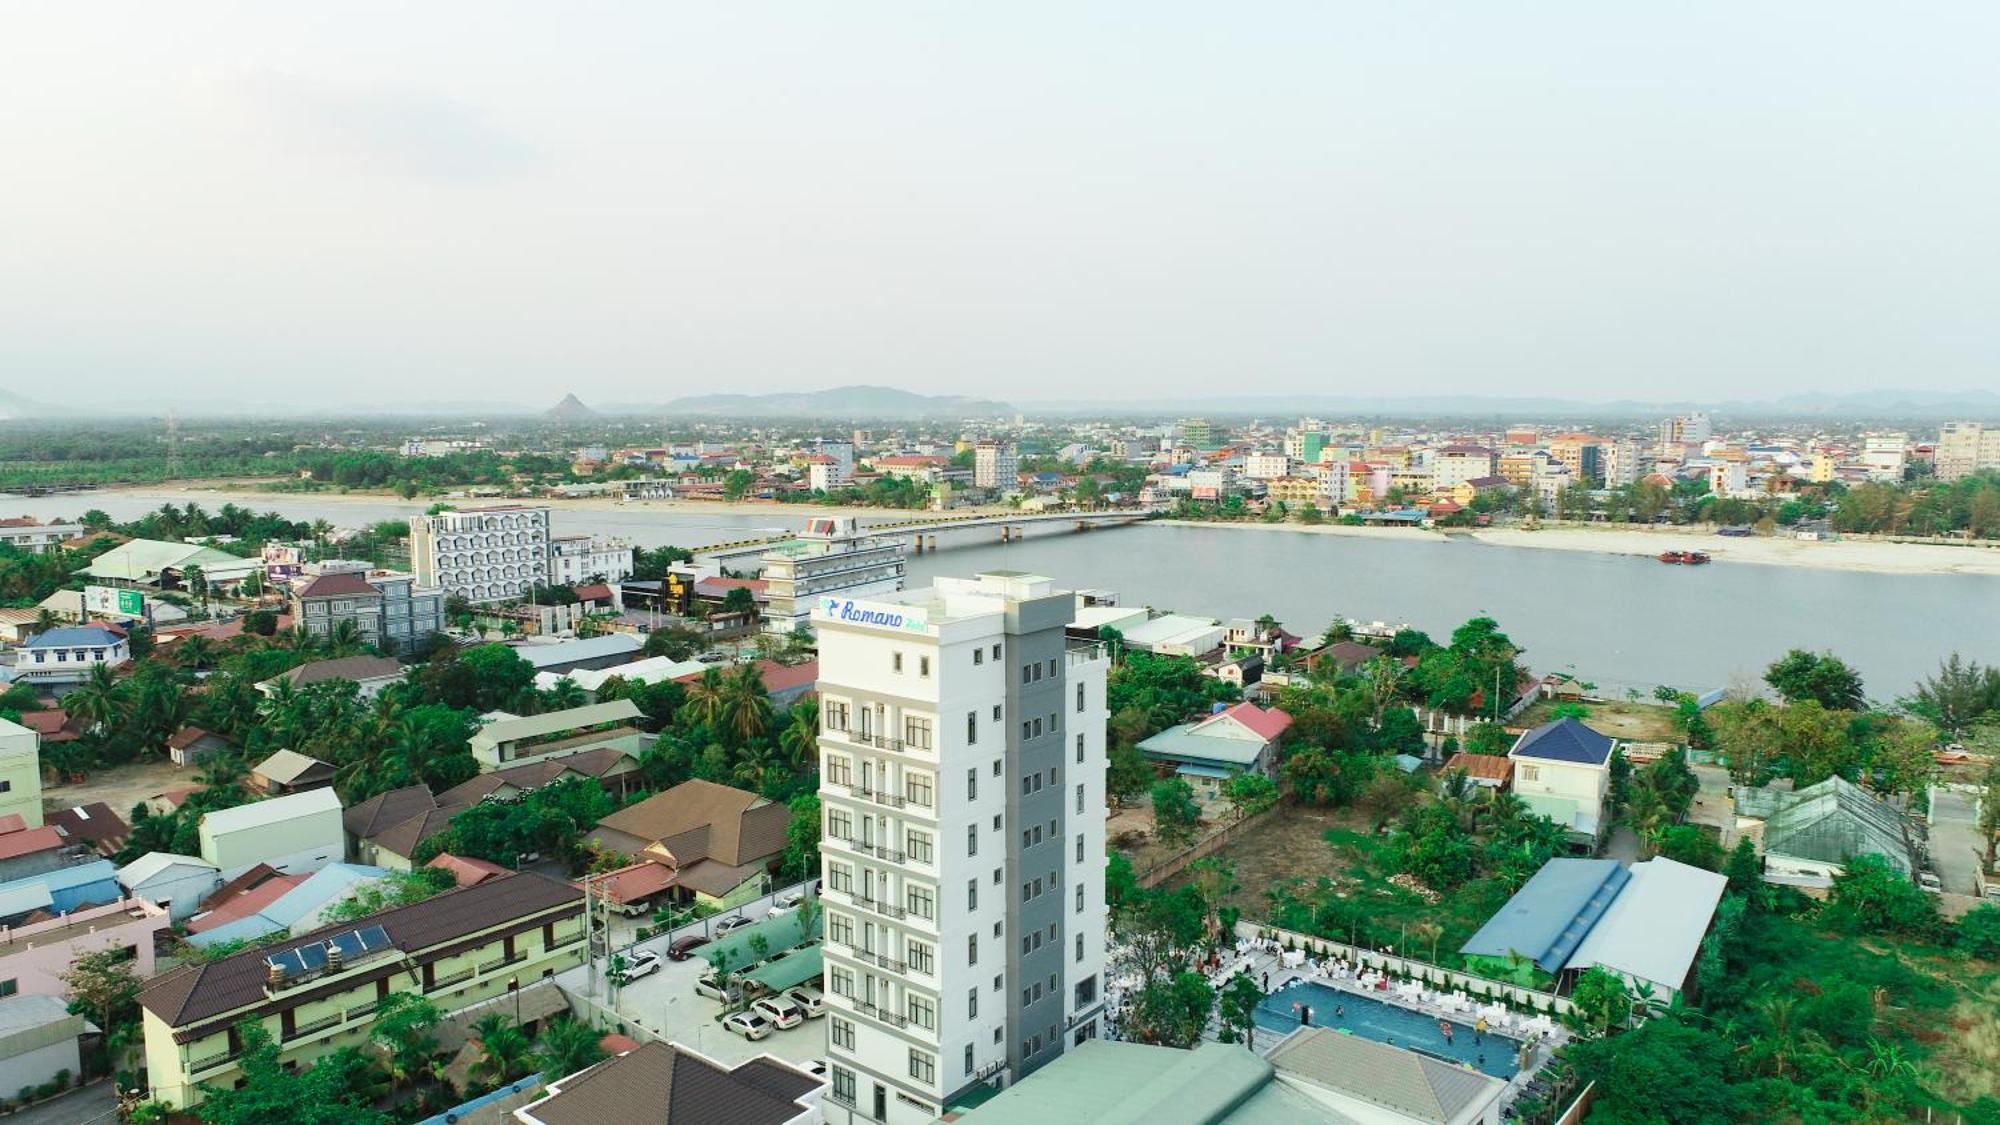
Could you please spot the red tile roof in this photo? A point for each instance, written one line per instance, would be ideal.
(634, 883)
(595, 592)
(1267, 723)
(347, 584)
(247, 903)
(1485, 767)
(13, 845)
(467, 870)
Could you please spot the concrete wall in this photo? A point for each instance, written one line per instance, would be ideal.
(34, 1067)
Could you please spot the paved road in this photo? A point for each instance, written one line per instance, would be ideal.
(1955, 844)
(92, 1105)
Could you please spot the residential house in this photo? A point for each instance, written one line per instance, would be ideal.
(289, 771)
(30, 535)
(785, 684)
(1242, 738)
(387, 828)
(720, 842)
(298, 833)
(287, 904)
(614, 767)
(608, 651)
(35, 955)
(1562, 770)
(318, 992)
(189, 745)
(95, 826)
(1809, 836)
(662, 1083)
(577, 559)
(40, 1040)
(20, 773)
(1347, 656)
(370, 673)
(467, 870)
(387, 608)
(28, 851)
(66, 655)
(180, 883)
(1488, 771)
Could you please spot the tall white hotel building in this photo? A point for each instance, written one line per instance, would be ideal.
(962, 782)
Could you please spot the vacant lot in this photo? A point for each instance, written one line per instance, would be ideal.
(121, 787)
(1633, 722)
(1290, 842)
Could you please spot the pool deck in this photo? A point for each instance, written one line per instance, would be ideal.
(1263, 1039)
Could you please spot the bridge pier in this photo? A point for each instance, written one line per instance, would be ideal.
(1006, 534)
(920, 543)
(933, 542)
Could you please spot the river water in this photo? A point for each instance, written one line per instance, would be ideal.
(1617, 621)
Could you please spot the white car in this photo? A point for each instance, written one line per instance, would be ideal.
(780, 1011)
(809, 998)
(731, 925)
(640, 964)
(749, 1025)
(713, 988)
(787, 902)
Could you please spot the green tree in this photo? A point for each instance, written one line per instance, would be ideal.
(1238, 1005)
(1127, 773)
(1664, 1073)
(1172, 1011)
(505, 1052)
(1691, 844)
(1176, 814)
(802, 836)
(1872, 896)
(1601, 1003)
(1979, 932)
(335, 1090)
(104, 986)
(1821, 677)
(568, 1046)
(1958, 695)
(1745, 869)
(402, 1028)
(737, 484)
(1251, 794)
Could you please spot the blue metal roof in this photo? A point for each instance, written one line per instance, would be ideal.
(1552, 913)
(73, 636)
(71, 887)
(1565, 740)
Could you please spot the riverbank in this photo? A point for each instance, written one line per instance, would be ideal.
(1847, 555)
(214, 494)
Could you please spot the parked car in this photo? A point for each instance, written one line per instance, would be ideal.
(713, 987)
(683, 948)
(638, 965)
(787, 902)
(731, 925)
(749, 1025)
(780, 1011)
(809, 998)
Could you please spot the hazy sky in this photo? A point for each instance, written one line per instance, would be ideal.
(1020, 200)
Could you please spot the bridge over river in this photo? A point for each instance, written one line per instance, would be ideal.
(924, 533)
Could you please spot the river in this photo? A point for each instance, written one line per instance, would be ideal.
(1617, 621)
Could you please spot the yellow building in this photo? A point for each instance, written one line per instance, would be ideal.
(21, 773)
(1822, 468)
(317, 993)
(1518, 469)
(1294, 490)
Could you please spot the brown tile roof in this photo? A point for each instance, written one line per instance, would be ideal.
(784, 677)
(662, 1084)
(716, 879)
(94, 824)
(241, 885)
(391, 806)
(50, 725)
(348, 584)
(345, 668)
(635, 882)
(188, 736)
(28, 841)
(402, 838)
(741, 827)
(596, 764)
(213, 988)
(1484, 767)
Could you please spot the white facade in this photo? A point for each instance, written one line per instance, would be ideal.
(66, 655)
(824, 474)
(995, 465)
(1559, 785)
(963, 852)
(482, 554)
(577, 559)
(831, 557)
(1621, 462)
(36, 538)
(1729, 478)
(1267, 466)
(297, 834)
(1454, 465)
(178, 883)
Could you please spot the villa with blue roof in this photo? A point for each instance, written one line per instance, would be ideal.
(1562, 770)
(66, 655)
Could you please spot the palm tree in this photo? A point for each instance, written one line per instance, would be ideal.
(99, 701)
(800, 738)
(1430, 932)
(504, 1050)
(749, 701)
(346, 636)
(756, 765)
(709, 698)
(565, 694)
(1458, 792)
(568, 1046)
(194, 651)
(320, 530)
(46, 619)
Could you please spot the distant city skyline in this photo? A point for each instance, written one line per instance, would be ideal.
(1026, 203)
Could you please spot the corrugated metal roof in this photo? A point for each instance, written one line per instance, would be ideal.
(1552, 912)
(1410, 1084)
(589, 648)
(276, 810)
(554, 722)
(1654, 928)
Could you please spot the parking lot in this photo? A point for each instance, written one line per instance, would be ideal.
(663, 1004)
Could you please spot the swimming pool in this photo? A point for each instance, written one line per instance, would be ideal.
(1497, 1055)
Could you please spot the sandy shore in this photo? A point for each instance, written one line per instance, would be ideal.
(1852, 555)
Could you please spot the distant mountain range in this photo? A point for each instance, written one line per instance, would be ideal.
(1861, 405)
(857, 403)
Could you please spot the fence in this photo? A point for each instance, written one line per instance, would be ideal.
(1436, 975)
(1174, 864)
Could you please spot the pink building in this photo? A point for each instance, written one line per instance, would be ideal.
(34, 957)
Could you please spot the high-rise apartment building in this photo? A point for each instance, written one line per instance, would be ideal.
(995, 465)
(1684, 430)
(832, 556)
(962, 787)
(1621, 461)
(482, 554)
(1965, 448)
(576, 559)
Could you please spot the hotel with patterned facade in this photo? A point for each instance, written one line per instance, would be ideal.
(962, 786)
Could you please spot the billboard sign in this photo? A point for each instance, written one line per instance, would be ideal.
(113, 601)
(881, 615)
(282, 564)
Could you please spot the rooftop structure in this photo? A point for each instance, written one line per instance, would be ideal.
(668, 1084)
(556, 734)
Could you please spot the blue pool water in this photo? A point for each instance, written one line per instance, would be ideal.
(1497, 1055)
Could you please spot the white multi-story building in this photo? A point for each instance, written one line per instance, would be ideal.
(1455, 464)
(1683, 430)
(1965, 448)
(1267, 466)
(962, 784)
(830, 557)
(482, 554)
(1884, 454)
(576, 559)
(995, 465)
(825, 474)
(1621, 462)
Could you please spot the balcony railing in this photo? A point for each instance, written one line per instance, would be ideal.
(881, 851)
(444, 982)
(878, 741)
(502, 962)
(880, 961)
(886, 909)
(881, 798)
(300, 1031)
(210, 1062)
(882, 1014)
